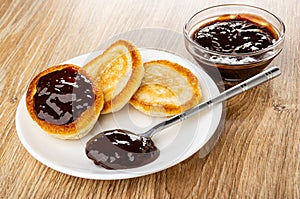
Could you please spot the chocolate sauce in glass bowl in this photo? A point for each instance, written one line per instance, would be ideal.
(62, 96)
(121, 149)
(234, 36)
(235, 46)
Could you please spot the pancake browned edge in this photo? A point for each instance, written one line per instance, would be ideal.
(167, 89)
(119, 70)
(76, 129)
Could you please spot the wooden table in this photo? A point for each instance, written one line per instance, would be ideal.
(256, 156)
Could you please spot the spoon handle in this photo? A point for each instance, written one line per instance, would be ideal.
(256, 80)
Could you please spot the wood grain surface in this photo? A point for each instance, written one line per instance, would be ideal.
(256, 156)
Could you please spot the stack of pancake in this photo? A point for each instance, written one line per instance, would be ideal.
(119, 76)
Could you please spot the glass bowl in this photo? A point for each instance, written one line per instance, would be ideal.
(233, 67)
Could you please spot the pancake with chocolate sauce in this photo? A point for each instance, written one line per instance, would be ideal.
(64, 101)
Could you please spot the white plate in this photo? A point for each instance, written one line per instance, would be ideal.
(176, 143)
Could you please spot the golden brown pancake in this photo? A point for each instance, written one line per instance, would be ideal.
(119, 72)
(167, 89)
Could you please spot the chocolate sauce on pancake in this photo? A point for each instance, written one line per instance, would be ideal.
(62, 96)
(121, 149)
